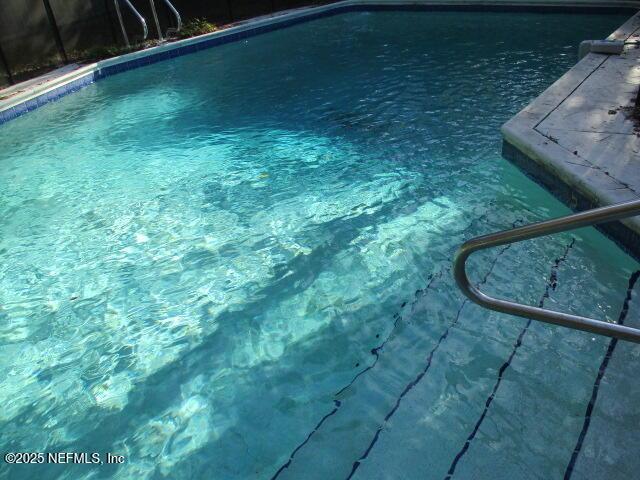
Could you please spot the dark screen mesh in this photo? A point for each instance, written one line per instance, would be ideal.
(26, 38)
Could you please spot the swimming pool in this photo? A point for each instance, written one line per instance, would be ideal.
(236, 264)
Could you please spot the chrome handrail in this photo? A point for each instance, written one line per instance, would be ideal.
(177, 15)
(136, 14)
(157, 22)
(570, 222)
(155, 19)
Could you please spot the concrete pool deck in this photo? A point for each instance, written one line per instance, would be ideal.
(578, 138)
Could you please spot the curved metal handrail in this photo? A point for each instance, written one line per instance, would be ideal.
(157, 22)
(136, 14)
(155, 18)
(570, 222)
(177, 15)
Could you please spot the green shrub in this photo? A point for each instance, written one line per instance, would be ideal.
(99, 53)
(196, 26)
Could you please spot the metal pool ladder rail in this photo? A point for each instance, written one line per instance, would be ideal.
(178, 19)
(570, 222)
(136, 14)
(155, 18)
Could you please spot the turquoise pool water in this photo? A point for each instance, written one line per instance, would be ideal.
(236, 264)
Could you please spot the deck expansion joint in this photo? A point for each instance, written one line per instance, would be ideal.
(606, 57)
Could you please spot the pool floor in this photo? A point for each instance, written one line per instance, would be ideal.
(237, 264)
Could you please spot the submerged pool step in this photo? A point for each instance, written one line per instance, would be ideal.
(435, 429)
(537, 413)
(407, 340)
(374, 429)
(362, 404)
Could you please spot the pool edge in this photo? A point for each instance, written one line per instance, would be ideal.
(580, 186)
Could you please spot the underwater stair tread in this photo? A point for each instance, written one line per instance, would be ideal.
(543, 394)
(345, 436)
(434, 431)
(359, 402)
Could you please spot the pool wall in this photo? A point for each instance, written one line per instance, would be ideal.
(41, 93)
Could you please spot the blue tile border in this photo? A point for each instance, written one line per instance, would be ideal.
(152, 57)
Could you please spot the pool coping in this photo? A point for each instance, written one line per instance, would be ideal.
(554, 161)
(50, 87)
